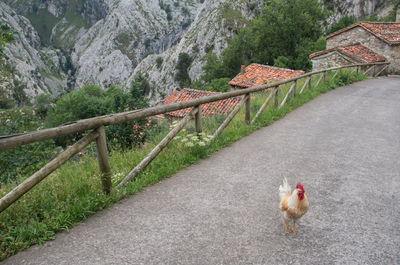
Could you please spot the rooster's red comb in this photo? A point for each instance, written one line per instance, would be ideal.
(300, 187)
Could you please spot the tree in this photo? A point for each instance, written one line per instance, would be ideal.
(285, 34)
(287, 28)
(182, 75)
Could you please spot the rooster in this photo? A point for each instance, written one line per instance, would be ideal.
(293, 205)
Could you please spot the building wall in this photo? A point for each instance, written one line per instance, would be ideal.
(358, 34)
(336, 59)
(332, 59)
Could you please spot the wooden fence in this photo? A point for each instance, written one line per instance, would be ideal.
(97, 125)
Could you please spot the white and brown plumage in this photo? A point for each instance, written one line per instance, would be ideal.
(293, 205)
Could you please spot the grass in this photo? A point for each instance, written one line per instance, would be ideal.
(73, 192)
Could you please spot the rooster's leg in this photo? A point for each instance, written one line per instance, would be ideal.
(286, 229)
(294, 231)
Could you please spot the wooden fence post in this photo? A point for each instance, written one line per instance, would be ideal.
(319, 80)
(324, 76)
(247, 110)
(102, 158)
(230, 117)
(295, 89)
(276, 97)
(309, 82)
(156, 150)
(383, 69)
(264, 105)
(198, 118)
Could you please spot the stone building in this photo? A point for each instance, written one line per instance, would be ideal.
(382, 38)
(258, 74)
(344, 55)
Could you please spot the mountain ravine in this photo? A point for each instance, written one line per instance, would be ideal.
(60, 45)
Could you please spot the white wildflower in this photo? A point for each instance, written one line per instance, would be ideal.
(184, 140)
(189, 144)
(117, 175)
(202, 143)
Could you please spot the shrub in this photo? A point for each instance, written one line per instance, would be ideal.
(91, 101)
(24, 160)
(42, 105)
(159, 62)
(218, 85)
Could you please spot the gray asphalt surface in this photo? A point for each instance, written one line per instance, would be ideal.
(343, 146)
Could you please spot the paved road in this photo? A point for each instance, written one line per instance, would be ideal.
(343, 146)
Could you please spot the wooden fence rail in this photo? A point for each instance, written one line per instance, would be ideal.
(97, 125)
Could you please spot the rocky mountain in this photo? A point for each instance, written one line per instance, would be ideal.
(60, 45)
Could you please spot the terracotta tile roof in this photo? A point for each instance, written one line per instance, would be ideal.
(388, 32)
(257, 74)
(221, 107)
(357, 52)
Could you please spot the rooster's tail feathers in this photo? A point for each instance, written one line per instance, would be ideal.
(284, 189)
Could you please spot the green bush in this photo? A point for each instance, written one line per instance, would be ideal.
(218, 85)
(91, 101)
(24, 160)
(159, 62)
(43, 104)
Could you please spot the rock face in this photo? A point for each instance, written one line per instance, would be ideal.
(36, 68)
(357, 8)
(213, 26)
(61, 45)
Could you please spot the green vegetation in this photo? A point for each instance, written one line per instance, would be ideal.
(43, 104)
(284, 34)
(342, 23)
(74, 192)
(5, 36)
(217, 85)
(23, 161)
(91, 101)
(159, 62)
(182, 75)
(43, 21)
(393, 12)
